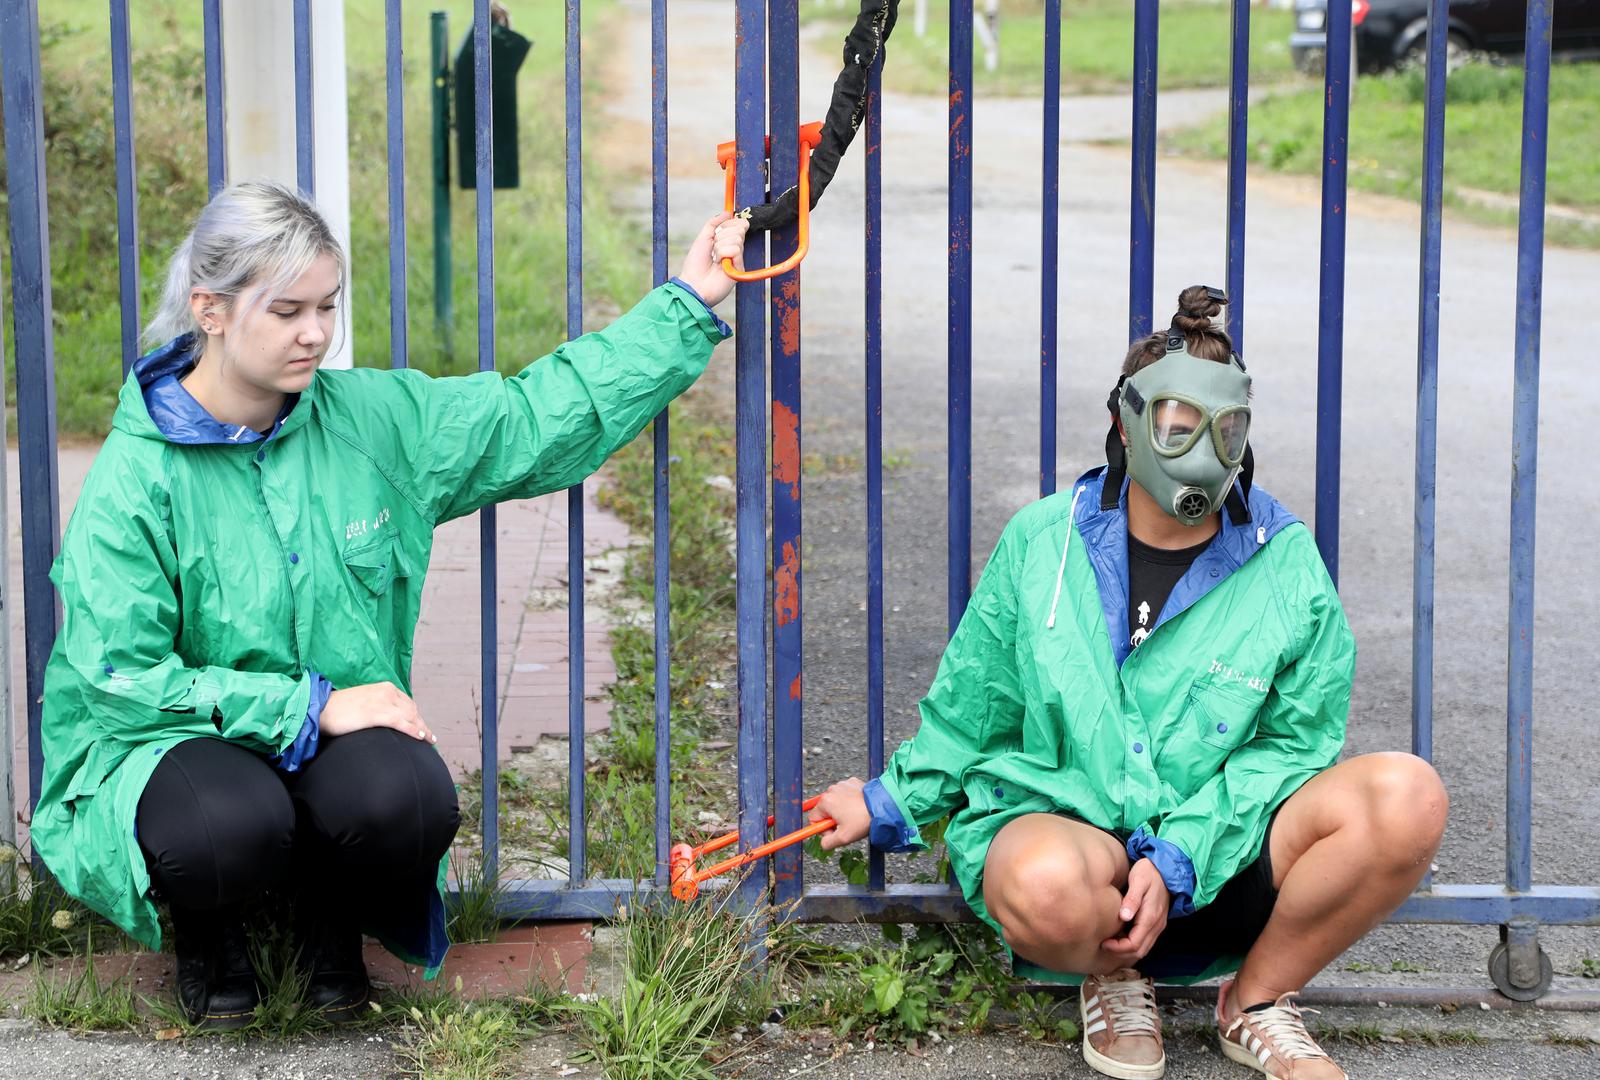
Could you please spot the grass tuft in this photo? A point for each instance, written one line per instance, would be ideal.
(687, 969)
(79, 1002)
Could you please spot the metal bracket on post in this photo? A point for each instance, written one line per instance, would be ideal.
(1518, 966)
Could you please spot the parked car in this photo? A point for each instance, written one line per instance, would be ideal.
(1389, 32)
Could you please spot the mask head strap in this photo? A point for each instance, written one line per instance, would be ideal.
(1116, 455)
(1238, 506)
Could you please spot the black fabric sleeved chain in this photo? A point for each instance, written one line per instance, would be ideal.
(862, 47)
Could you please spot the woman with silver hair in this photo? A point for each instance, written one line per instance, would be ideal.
(227, 707)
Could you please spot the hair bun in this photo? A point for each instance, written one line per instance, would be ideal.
(1196, 309)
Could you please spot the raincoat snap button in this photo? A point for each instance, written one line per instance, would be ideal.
(1222, 729)
(261, 455)
(999, 793)
(1213, 573)
(294, 558)
(1138, 748)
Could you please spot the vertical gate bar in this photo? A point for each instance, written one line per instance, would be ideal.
(788, 696)
(304, 123)
(958, 468)
(1238, 144)
(1525, 449)
(31, 313)
(444, 315)
(1422, 561)
(662, 522)
(483, 172)
(750, 117)
(394, 52)
(577, 858)
(874, 403)
(1330, 305)
(216, 125)
(1050, 248)
(1142, 209)
(127, 183)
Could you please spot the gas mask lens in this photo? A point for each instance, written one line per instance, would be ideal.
(1231, 429)
(1175, 424)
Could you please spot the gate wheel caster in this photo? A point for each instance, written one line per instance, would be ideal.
(1500, 975)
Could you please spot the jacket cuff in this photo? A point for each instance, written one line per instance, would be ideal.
(890, 831)
(723, 328)
(304, 747)
(1175, 868)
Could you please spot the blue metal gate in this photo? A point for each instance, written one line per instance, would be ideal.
(766, 79)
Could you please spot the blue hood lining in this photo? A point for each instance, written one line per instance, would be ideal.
(1105, 537)
(174, 411)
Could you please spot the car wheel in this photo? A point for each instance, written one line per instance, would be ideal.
(1457, 51)
(1307, 61)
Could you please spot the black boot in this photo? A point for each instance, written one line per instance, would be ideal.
(330, 954)
(217, 986)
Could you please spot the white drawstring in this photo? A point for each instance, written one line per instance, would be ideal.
(1072, 516)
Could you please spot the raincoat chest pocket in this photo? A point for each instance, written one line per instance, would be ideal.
(1224, 719)
(376, 563)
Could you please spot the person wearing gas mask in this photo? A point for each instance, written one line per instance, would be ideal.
(1135, 733)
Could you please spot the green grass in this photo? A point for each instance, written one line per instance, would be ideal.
(446, 1038)
(38, 919)
(170, 128)
(1394, 966)
(80, 1002)
(686, 971)
(1483, 132)
(1096, 46)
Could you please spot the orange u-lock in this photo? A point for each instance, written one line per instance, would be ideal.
(810, 138)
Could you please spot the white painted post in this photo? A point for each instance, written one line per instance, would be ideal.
(8, 731)
(920, 18)
(988, 31)
(258, 99)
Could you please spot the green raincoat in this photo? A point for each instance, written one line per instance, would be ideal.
(1183, 747)
(202, 581)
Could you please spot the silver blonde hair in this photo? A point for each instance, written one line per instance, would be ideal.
(249, 244)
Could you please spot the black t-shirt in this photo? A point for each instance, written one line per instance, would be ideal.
(1152, 572)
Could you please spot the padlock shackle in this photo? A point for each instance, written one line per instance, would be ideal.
(727, 155)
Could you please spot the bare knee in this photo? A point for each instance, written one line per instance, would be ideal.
(1404, 803)
(1049, 901)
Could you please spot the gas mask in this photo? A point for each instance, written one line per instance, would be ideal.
(1188, 425)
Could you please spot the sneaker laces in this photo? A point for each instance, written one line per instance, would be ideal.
(1283, 1028)
(1130, 1005)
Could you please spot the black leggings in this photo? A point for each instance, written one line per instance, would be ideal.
(219, 825)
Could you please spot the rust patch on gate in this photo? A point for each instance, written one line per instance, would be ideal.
(786, 448)
(787, 302)
(786, 586)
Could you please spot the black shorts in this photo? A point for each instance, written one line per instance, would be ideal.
(1228, 926)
